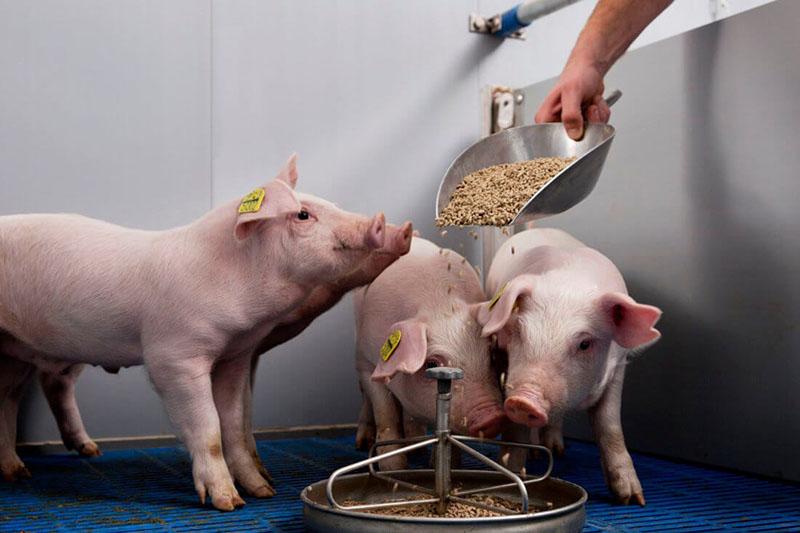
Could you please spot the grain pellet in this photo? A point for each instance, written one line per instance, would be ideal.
(494, 195)
(454, 509)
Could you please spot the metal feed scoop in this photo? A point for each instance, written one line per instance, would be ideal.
(564, 190)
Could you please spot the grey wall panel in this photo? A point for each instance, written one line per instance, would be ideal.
(105, 111)
(377, 99)
(698, 207)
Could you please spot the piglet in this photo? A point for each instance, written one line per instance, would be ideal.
(323, 297)
(562, 313)
(192, 304)
(425, 303)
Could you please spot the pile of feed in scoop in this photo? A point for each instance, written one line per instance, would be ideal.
(454, 509)
(494, 195)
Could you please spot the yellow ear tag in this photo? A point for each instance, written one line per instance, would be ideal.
(391, 344)
(497, 296)
(252, 202)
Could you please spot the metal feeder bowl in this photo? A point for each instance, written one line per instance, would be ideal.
(558, 505)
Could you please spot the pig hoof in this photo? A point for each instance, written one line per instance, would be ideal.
(16, 473)
(260, 466)
(365, 438)
(227, 502)
(89, 449)
(264, 491)
(636, 498)
(264, 472)
(624, 484)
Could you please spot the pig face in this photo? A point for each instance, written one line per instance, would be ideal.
(314, 240)
(452, 340)
(563, 344)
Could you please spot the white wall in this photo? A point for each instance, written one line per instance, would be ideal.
(105, 111)
(143, 112)
(549, 40)
(697, 206)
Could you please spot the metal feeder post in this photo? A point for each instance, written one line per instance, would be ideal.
(444, 377)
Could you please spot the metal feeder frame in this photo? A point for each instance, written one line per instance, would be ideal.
(443, 442)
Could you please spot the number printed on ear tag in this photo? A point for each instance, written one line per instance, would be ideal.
(252, 202)
(391, 344)
(497, 296)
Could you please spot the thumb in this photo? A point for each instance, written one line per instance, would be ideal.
(571, 114)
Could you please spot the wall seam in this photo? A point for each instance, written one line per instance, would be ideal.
(210, 104)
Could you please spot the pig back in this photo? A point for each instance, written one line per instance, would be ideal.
(68, 284)
(423, 283)
(554, 254)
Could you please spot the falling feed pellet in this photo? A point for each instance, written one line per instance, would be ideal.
(494, 195)
(443, 233)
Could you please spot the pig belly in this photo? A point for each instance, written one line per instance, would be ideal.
(108, 351)
(63, 357)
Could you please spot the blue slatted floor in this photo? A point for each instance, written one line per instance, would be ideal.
(151, 489)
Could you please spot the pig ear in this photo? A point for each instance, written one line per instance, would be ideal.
(494, 314)
(274, 200)
(288, 173)
(409, 353)
(632, 322)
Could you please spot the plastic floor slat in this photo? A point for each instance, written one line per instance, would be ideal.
(152, 490)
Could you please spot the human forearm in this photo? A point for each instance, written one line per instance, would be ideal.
(612, 27)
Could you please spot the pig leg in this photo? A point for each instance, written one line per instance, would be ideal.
(412, 428)
(365, 436)
(230, 381)
(189, 401)
(59, 389)
(616, 461)
(14, 375)
(248, 419)
(513, 457)
(388, 419)
(552, 437)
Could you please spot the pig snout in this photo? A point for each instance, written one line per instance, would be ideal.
(398, 240)
(528, 408)
(487, 423)
(376, 233)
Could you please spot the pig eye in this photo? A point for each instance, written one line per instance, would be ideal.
(585, 345)
(302, 215)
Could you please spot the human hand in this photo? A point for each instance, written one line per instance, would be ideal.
(577, 95)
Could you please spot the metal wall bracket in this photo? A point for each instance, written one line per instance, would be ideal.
(510, 23)
(492, 26)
